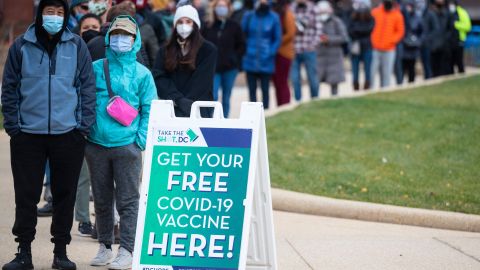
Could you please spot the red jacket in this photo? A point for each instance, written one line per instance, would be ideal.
(389, 28)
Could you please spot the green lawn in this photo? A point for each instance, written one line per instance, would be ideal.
(416, 148)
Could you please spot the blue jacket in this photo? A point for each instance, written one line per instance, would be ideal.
(48, 95)
(264, 35)
(134, 83)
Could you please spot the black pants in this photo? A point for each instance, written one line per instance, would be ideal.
(264, 78)
(409, 69)
(441, 63)
(457, 59)
(29, 153)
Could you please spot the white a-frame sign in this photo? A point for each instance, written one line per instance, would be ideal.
(205, 201)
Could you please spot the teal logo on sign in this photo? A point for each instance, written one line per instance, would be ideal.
(191, 135)
(176, 136)
(195, 211)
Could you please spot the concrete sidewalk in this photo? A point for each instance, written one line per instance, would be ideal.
(302, 241)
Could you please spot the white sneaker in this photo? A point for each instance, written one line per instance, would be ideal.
(104, 256)
(122, 261)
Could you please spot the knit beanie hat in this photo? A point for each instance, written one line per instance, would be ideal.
(187, 11)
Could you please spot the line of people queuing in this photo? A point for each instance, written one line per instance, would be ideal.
(281, 36)
(57, 86)
(57, 107)
(387, 40)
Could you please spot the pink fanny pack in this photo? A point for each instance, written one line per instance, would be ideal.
(117, 107)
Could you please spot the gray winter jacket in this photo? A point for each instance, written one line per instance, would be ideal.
(48, 95)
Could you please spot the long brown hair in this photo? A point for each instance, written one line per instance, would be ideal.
(173, 52)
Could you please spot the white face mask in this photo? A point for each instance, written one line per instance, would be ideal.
(97, 8)
(324, 17)
(184, 30)
(121, 43)
(452, 8)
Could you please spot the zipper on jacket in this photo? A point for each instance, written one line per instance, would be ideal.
(49, 92)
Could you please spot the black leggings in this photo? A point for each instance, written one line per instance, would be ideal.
(264, 78)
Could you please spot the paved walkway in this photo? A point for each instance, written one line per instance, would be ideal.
(302, 241)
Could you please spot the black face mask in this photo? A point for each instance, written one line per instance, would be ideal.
(263, 8)
(89, 35)
(388, 5)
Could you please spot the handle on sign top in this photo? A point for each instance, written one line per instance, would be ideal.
(217, 109)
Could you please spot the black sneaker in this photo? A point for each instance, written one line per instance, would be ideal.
(22, 261)
(63, 263)
(85, 229)
(46, 210)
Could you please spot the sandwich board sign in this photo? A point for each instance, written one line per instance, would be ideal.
(205, 201)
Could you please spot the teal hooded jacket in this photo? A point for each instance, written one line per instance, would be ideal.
(134, 83)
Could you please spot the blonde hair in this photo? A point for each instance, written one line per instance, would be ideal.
(210, 16)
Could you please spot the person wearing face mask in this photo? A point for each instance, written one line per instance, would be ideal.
(430, 27)
(100, 8)
(240, 7)
(78, 8)
(96, 46)
(263, 34)
(330, 52)
(89, 27)
(441, 51)
(360, 28)
(185, 66)
(414, 34)
(462, 25)
(113, 151)
(388, 31)
(48, 105)
(227, 35)
(308, 30)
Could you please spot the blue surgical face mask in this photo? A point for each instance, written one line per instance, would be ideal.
(121, 43)
(52, 23)
(79, 16)
(221, 11)
(237, 5)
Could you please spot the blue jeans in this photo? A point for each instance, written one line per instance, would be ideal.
(310, 61)
(226, 80)
(427, 66)
(365, 56)
(384, 62)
